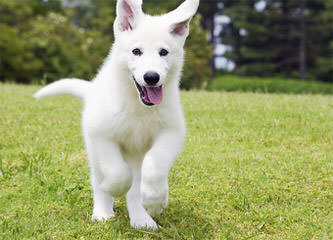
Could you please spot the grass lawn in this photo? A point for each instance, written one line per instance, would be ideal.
(255, 166)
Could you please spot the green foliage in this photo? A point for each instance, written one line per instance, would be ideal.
(155, 7)
(254, 166)
(43, 46)
(61, 47)
(199, 52)
(16, 13)
(324, 62)
(16, 59)
(17, 62)
(268, 85)
(271, 45)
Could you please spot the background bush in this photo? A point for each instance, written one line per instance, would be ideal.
(268, 85)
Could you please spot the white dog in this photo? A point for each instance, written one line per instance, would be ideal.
(132, 121)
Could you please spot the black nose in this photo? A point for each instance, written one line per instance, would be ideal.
(151, 78)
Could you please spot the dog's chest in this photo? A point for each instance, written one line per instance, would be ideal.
(135, 132)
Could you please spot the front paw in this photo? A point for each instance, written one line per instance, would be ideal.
(154, 196)
(100, 215)
(143, 222)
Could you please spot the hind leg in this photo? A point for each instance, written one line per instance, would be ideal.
(110, 175)
(139, 217)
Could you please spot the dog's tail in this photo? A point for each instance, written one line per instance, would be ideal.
(71, 86)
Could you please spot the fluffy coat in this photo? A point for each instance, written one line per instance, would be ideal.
(133, 130)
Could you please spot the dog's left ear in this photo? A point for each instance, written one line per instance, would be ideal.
(181, 17)
(128, 15)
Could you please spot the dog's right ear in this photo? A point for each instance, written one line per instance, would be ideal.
(128, 15)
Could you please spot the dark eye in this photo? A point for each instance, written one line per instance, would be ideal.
(164, 52)
(137, 52)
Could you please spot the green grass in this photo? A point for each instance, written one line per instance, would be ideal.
(255, 166)
(232, 83)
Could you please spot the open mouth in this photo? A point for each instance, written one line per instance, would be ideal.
(150, 95)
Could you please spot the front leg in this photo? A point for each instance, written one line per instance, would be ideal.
(110, 174)
(155, 169)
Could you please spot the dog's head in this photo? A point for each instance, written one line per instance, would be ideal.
(152, 46)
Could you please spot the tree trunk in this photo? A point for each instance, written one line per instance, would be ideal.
(287, 48)
(213, 42)
(302, 53)
(77, 16)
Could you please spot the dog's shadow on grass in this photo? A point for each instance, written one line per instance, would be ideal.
(181, 219)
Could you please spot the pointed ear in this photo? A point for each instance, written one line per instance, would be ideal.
(180, 29)
(181, 17)
(128, 14)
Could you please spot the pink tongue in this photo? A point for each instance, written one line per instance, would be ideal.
(155, 94)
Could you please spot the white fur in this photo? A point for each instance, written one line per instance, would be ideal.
(131, 147)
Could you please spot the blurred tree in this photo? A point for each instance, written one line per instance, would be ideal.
(155, 7)
(17, 61)
(62, 47)
(209, 10)
(42, 7)
(285, 37)
(37, 45)
(199, 52)
(320, 39)
(96, 18)
(262, 41)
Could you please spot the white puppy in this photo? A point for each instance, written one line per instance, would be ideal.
(132, 121)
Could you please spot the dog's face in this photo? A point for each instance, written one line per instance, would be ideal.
(150, 56)
(152, 46)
